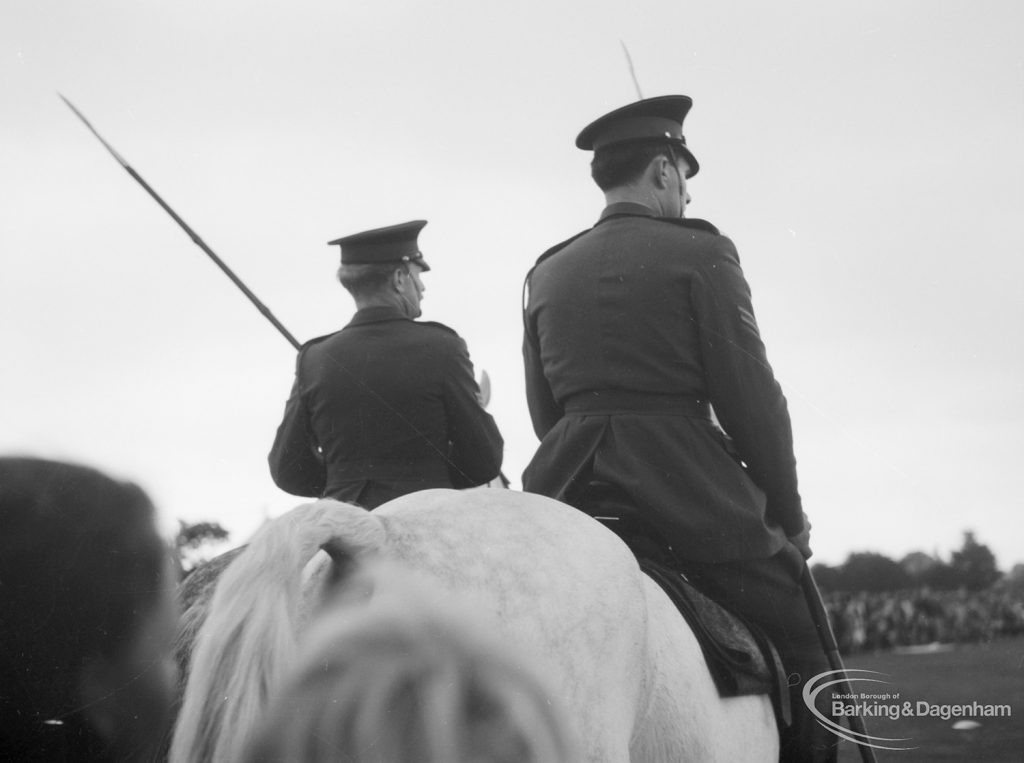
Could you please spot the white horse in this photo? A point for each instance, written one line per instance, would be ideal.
(553, 581)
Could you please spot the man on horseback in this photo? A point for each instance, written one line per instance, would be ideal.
(634, 329)
(388, 405)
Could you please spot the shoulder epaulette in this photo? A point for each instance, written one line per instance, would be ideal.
(548, 254)
(310, 342)
(557, 248)
(306, 345)
(691, 222)
(449, 329)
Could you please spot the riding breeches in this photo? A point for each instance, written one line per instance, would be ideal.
(767, 592)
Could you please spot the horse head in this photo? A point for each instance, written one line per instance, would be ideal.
(241, 633)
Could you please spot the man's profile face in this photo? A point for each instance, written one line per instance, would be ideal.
(683, 168)
(412, 289)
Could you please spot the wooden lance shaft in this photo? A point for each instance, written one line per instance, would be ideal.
(212, 255)
(191, 233)
(828, 642)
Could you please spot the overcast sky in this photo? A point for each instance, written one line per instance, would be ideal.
(867, 158)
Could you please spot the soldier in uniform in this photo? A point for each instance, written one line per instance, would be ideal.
(634, 329)
(388, 405)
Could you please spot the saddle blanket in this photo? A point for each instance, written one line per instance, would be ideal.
(739, 655)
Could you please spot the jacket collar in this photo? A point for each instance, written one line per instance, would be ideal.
(627, 208)
(634, 209)
(377, 315)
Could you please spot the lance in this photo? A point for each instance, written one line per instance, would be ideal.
(485, 380)
(828, 642)
(184, 226)
(632, 71)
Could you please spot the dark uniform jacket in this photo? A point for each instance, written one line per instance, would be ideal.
(393, 405)
(631, 329)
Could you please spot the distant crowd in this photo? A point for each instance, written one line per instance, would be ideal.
(865, 622)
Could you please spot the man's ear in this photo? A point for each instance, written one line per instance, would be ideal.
(397, 278)
(659, 169)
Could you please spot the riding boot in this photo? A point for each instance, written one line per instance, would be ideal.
(767, 592)
(805, 740)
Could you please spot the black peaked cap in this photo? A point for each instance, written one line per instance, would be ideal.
(658, 119)
(393, 243)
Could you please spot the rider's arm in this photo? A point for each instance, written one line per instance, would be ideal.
(747, 399)
(544, 410)
(476, 443)
(295, 464)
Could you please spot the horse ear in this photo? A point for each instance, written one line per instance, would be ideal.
(343, 560)
(349, 581)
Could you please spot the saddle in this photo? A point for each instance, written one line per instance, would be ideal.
(739, 655)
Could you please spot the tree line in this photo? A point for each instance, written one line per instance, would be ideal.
(972, 567)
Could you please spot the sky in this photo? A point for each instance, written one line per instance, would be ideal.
(867, 159)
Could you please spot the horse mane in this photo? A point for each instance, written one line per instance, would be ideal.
(248, 639)
(194, 594)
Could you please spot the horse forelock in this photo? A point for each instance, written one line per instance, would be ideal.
(248, 638)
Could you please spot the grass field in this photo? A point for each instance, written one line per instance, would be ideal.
(989, 674)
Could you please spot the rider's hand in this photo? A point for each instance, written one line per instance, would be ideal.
(802, 540)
